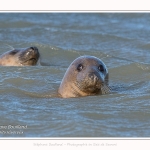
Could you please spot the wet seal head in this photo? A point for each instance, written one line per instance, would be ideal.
(20, 57)
(86, 75)
(29, 57)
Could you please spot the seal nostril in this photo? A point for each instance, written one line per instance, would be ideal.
(93, 76)
(34, 48)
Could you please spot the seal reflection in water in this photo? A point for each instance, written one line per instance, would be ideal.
(20, 57)
(86, 75)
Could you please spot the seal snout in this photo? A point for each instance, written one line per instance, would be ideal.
(33, 52)
(29, 56)
(34, 48)
(93, 77)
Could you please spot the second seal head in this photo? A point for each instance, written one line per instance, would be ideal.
(20, 57)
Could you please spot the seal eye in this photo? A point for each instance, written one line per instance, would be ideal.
(13, 52)
(101, 68)
(80, 67)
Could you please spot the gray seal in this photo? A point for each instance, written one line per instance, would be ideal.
(20, 57)
(86, 75)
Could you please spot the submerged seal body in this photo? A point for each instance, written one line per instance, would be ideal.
(20, 57)
(86, 75)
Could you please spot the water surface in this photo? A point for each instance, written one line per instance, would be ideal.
(29, 105)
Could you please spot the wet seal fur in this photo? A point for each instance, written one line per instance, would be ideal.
(20, 57)
(86, 75)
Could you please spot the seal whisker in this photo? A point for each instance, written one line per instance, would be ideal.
(105, 89)
(10, 46)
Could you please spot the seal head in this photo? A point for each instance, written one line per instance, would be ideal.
(86, 75)
(20, 57)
